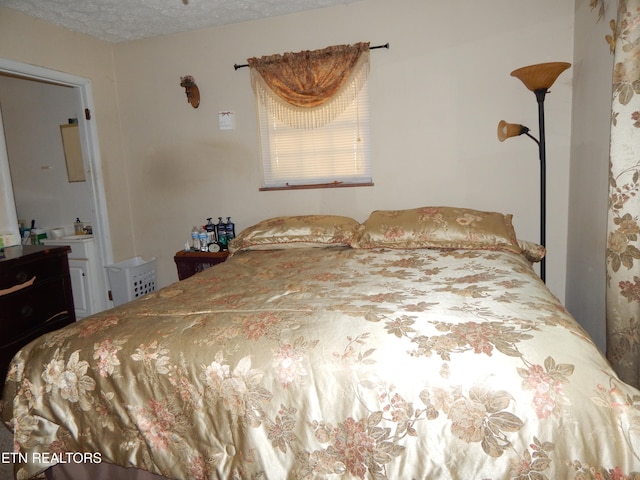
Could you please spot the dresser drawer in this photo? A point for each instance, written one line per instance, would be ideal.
(43, 270)
(35, 296)
(8, 350)
(26, 310)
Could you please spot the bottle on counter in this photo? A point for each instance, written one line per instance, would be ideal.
(78, 227)
(221, 230)
(204, 240)
(211, 231)
(195, 240)
(230, 230)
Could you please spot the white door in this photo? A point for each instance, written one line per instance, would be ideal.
(8, 215)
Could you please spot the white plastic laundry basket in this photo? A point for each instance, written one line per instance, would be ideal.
(131, 279)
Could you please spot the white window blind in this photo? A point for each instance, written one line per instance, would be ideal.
(337, 152)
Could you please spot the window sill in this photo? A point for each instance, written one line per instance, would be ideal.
(316, 185)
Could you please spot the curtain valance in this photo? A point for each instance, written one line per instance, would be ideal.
(309, 89)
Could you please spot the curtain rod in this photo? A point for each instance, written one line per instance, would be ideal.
(386, 45)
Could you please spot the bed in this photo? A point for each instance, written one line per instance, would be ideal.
(419, 344)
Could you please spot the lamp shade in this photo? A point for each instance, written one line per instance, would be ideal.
(507, 130)
(540, 76)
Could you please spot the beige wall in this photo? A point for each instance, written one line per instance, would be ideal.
(33, 42)
(436, 97)
(586, 276)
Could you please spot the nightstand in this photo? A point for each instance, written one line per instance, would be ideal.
(190, 263)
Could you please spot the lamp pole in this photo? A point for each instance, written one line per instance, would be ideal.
(537, 78)
(540, 94)
(542, 155)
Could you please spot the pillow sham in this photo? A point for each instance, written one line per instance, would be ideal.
(296, 232)
(534, 252)
(437, 227)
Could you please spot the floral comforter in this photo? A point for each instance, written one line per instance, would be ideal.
(332, 363)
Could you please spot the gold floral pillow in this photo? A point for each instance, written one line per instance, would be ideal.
(296, 232)
(437, 227)
(534, 252)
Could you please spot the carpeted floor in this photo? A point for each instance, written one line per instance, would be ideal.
(6, 445)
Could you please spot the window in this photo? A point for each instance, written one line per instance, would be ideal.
(313, 114)
(337, 153)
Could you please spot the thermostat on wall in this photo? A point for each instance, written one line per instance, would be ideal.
(225, 120)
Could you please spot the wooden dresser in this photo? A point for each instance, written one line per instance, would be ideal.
(35, 296)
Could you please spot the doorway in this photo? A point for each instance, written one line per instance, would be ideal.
(90, 148)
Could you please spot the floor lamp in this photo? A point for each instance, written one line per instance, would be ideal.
(537, 78)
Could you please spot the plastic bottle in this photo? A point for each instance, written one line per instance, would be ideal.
(221, 230)
(211, 231)
(203, 239)
(230, 230)
(195, 241)
(78, 227)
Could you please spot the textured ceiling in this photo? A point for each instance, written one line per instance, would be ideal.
(123, 20)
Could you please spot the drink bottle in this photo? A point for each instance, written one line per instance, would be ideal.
(195, 241)
(230, 230)
(203, 239)
(221, 230)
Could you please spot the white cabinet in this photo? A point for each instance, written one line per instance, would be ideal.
(79, 270)
(90, 294)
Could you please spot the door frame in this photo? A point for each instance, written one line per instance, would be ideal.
(6, 194)
(89, 143)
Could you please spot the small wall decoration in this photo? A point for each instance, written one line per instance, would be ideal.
(225, 120)
(72, 152)
(191, 89)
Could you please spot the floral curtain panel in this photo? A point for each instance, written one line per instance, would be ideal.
(623, 245)
(311, 88)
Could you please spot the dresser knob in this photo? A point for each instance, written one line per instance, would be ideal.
(22, 276)
(26, 311)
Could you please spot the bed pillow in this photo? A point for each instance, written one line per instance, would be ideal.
(296, 232)
(437, 227)
(534, 252)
